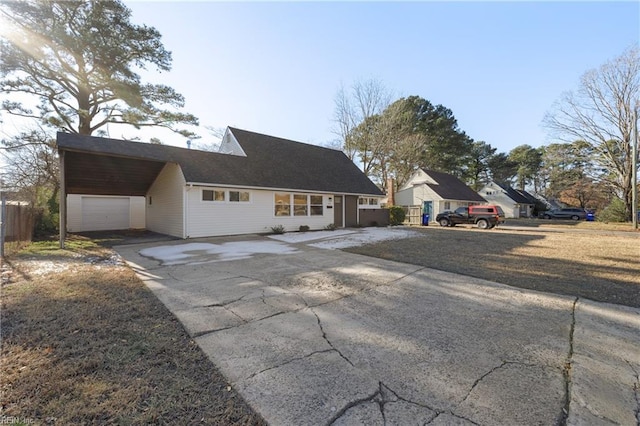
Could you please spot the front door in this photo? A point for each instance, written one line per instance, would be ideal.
(427, 208)
(337, 211)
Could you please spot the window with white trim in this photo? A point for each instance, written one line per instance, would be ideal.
(298, 204)
(300, 207)
(365, 201)
(213, 195)
(447, 205)
(239, 196)
(282, 204)
(315, 205)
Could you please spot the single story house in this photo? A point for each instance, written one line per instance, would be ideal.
(514, 202)
(254, 183)
(436, 192)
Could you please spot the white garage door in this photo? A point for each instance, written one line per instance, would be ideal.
(100, 213)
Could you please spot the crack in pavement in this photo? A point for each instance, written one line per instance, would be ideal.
(566, 371)
(288, 362)
(504, 363)
(385, 395)
(352, 404)
(452, 415)
(324, 336)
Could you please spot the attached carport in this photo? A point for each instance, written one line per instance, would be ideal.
(90, 169)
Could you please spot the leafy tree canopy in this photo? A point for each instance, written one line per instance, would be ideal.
(528, 161)
(79, 59)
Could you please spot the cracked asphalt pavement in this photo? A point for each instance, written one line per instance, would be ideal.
(322, 337)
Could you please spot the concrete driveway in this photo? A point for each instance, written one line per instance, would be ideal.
(313, 336)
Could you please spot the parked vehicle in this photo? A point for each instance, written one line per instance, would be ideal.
(572, 213)
(484, 217)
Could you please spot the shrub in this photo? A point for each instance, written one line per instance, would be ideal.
(304, 228)
(330, 227)
(396, 215)
(614, 212)
(278, 229)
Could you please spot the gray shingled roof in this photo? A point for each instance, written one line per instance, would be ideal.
(271, 162)
(516, 195)
(450, 187)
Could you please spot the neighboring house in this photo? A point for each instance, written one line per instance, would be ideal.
(255, 182)
(436, 192)
(104, 212)
(550, 203)
(514, 202)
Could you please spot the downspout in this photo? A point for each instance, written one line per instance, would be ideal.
(185, 220)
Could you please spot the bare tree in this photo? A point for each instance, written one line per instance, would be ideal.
(32, 164)
(600, 112)
(365, 100)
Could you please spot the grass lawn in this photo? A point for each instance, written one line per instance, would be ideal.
(85, 342)
(596, 264)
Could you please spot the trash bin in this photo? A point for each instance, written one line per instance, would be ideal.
(425, 219)
(590, 217)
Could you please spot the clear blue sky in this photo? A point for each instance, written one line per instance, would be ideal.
(275, 68)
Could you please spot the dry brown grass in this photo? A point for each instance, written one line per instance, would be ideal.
(598, 265)
(85, 342)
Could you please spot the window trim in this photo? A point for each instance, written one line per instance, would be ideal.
(226, 193)
(239, 201)
(308, 206)
(316, 205)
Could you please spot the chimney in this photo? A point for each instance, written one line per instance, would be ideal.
(390, 194)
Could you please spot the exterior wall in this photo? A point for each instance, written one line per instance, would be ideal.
(230, 145)
(74, 212)
(404, 197)
(374, 217)
(417, 195)
(496, 195)
(214, 218)
(165, 210)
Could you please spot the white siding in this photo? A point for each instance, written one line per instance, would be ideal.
(165, 210)
(209, 218)
(496, 195)
(404, 197)
(137, 213)
(77, 217)
(230, 145)
(417, 195)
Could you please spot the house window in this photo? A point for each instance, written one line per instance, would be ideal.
(300, 207)
(239, 196)
(212, 195)
(364, 201)
(447, 205)
(150, 200)
(282, 204)
(316, 205)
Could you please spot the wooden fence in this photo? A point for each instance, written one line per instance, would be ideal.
(18, 221)
(413, 215)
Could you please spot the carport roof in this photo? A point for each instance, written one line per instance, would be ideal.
(94, 165)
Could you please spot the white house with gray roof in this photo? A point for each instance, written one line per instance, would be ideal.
(514, 202)
(436, 192)
(255, 182)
